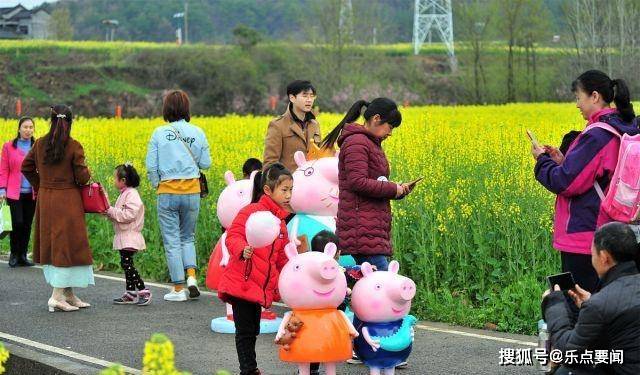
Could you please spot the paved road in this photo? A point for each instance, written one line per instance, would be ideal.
(106, 332)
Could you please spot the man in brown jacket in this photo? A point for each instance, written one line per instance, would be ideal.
(295, 130)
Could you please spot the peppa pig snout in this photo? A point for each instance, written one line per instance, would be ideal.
(328, 271)
(404, 290)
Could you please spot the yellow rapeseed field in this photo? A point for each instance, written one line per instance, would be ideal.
(475, 235)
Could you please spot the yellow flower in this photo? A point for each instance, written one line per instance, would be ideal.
(4, 356)
(159, 357)
(466, 210)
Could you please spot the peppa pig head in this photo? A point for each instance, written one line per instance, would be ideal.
(315, 186)
(312, 280)
(234, 197)
(382, 296)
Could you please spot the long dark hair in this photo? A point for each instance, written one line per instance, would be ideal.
(612, 90)
(20, 122)
(58, 136)
(272, 176)
(385, 107)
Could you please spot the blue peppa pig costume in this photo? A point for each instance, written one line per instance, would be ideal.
(381, 301)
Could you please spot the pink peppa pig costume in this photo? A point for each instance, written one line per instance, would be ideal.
(315, 196)
(381, 301)
(235, 196)
(312, 285)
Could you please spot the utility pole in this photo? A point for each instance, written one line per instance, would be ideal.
(345, 22)
(186, 22)
(179, 30)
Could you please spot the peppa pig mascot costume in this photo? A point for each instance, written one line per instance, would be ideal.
(236, 195)
(233, 198)
(314, 198)
(313, 286)
(381, 301)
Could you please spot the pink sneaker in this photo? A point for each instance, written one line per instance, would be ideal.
(144, 297)
(128, 298)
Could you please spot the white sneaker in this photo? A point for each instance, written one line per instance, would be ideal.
(354, 360)
(174, 296)
(192, 285)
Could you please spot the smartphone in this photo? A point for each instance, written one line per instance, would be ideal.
(533, 139)
(564, 280)
(415, 181)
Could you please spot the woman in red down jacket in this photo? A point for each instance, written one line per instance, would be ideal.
(364, 210)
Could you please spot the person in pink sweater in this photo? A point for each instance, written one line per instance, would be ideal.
(17, 192)
(127, 216)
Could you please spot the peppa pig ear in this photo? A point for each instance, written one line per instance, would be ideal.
(330, 249)
(228, 178)
(291, 250)
(300, 158)
(394, 266)
(366, 269)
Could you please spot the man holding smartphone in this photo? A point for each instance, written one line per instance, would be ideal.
(608, 318)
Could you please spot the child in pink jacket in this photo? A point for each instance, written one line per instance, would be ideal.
(128, 220)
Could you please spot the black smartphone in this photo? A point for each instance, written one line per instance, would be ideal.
(416, 181)
(564, 280)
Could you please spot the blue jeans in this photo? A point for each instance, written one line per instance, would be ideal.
(177, 216)
(380, 261)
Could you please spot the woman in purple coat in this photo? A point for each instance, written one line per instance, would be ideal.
(587, 166)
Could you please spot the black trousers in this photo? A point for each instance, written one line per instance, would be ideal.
(22, 211)
(246, 317)
(131, 274)
(580, 266)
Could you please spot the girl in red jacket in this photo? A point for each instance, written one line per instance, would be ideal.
(250, 279)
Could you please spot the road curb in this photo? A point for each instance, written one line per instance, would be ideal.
(26, 361)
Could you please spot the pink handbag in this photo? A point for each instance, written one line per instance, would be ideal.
(94, 198)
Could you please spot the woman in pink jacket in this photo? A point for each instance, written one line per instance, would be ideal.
(18, 192)
(588, 164)
(128, 220)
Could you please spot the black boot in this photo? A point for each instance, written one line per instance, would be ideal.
(24, 261)
(13, 260)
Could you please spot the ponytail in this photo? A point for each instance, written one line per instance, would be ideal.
(56, 139)
(386, 108)
(611, 91)
(352, 115)
(622, 99)
(257, 191)
(128, 172)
